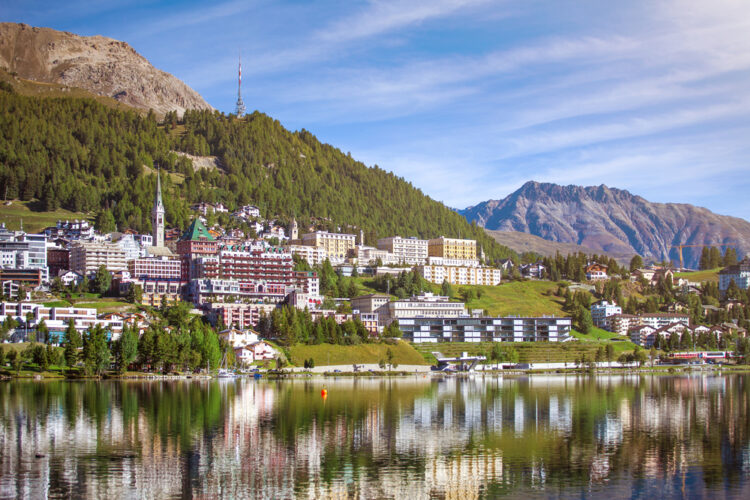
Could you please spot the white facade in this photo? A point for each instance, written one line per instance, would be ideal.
(314, 256)
(411, 251)
(461, 275)
(370, 255)
(19, 250)
(602, 310)
(740, 273)
(86, 257)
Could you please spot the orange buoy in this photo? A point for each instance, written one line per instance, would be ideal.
(324, 393)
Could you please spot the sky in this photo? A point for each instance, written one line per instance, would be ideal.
(469, 99)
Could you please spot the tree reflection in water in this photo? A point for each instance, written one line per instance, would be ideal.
(416, 437)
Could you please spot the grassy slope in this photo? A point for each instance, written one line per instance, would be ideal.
(701, 276)
(524, 298)
(529, 352)
(33, 221)
(325, 354)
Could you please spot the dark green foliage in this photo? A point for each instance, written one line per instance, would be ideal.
(83, 156)
(102, 281)
(72, 341)
(636, 263)
(404, 285)
(96, 355)
(289, 326)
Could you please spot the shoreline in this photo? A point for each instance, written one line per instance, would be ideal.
(327, 373)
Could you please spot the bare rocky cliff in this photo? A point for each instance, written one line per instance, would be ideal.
(611, 220)
(98, 64)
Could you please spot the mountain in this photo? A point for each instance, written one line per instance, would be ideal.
(611, 220)
(524, 242)
(101, 65)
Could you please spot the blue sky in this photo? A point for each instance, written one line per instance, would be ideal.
(469, 99)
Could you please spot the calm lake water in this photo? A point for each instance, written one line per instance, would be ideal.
(481, 437)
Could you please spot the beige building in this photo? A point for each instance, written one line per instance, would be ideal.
(410, 251)
(461, 275)
(337, 245)
(87, 256)
(452, 248)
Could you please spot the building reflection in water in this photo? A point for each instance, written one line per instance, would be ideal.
(377, 438)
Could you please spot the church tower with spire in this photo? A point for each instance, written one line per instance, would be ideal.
(157, 215)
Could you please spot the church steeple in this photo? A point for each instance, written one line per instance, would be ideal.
(157, 214)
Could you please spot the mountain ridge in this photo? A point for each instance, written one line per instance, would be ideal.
(611, 220)
(101, 65)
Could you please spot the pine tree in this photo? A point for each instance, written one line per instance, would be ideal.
(72, 342)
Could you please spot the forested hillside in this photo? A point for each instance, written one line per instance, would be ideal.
(80, 155)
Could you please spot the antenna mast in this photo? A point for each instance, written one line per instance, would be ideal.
(240, 104)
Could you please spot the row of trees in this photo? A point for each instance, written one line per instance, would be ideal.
(711, 258)
(290, 326)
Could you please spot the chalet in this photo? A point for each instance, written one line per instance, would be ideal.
(535, 270)
(596, 271)
(239, 338)
(255, 351)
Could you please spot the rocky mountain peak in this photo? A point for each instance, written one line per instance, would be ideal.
(101, 65)
(610, 220)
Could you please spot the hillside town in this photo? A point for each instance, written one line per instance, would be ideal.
(235, 282)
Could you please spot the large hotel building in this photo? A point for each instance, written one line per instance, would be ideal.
(336, 245)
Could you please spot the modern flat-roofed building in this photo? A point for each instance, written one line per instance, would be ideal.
(337, 245)
(87, 256)
(452, 248)
(602, 310)
(485, 329)
(426, 305)
(371, 255)
(22, 251)
(371, 303)
(157, 268)
(412, 251)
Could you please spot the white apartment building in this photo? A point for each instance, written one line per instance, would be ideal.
(602, 310)
(740, 273)
(422, 306)
(337, 245)
(87, 256)
(410, 251)
(461, 275)
(19, 250)
(370, 255)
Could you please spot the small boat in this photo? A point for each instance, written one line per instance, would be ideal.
(224, 373)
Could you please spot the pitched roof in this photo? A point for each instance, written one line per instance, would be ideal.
(196, 231)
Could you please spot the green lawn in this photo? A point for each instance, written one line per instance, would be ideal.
(529, 352)
(701, 276)
(524, 298)
(57, 303)
(327, 354)
(597, 334)
(33, 219)
(108, 305)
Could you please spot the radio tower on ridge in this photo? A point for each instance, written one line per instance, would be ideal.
(240, 105)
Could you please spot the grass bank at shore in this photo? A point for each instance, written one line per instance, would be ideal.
(327, 354)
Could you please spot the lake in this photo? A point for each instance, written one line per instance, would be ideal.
(631, 436)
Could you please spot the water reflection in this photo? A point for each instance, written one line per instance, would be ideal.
(374, 438)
